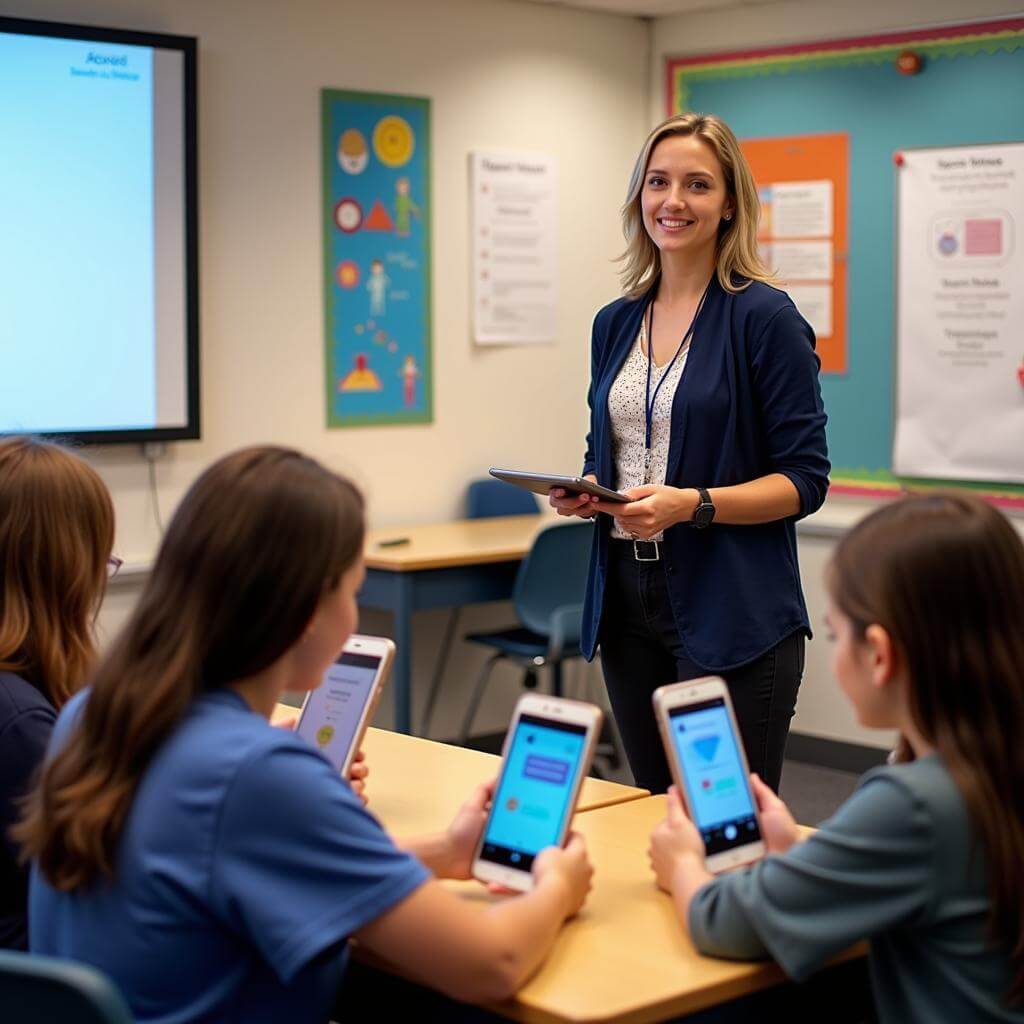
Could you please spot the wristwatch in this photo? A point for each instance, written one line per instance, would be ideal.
(704, 513)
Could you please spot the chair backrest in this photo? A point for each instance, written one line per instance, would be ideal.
(35, 988)
(553, 574)
(489, 497)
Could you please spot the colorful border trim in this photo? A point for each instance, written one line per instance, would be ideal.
(949, 41)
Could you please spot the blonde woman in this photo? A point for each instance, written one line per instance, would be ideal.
(705, 409)
(56, 534)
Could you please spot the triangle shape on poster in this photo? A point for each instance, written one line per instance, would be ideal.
(378, 219)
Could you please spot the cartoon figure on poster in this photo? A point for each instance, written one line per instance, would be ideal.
(409, 373)
(405, 208)
(377, 286)
(377, 294)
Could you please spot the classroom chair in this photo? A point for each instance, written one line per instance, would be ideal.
(548, 601)
(485, 498)
(36, 989)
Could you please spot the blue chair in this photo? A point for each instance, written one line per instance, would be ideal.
(548, 601)
(489, 497)
(40, 989)
(485, 498)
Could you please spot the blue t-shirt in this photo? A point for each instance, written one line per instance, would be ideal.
(245, 863)
(26, 721)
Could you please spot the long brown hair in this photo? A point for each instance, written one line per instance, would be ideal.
(737, 259)
(56, 535)
(255, 544)
(944, 575)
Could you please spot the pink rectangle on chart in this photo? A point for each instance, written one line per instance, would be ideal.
(983, 237)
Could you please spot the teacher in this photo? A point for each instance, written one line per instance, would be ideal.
(706, 411)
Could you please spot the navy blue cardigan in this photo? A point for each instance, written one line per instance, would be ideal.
(748, 404)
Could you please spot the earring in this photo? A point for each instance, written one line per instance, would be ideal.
(727, 216)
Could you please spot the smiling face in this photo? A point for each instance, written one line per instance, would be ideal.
(684, 197)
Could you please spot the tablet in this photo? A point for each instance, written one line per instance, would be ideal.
(542, 483)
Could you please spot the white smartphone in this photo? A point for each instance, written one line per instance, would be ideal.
(548, 750)
(705, 754)
(335, 715)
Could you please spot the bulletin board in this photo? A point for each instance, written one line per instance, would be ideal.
(967, 91)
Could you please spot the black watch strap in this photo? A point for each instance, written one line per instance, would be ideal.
(704, 514)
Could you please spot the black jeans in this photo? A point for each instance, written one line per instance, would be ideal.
(641, 650)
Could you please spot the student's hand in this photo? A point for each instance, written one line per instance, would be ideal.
(566, 504)
(463, 833)
(673, 842)
(357, 776)
(652, 508)
(288, 723)
(777, 823)
(571, 866)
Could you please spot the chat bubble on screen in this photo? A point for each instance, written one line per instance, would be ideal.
(546, 769)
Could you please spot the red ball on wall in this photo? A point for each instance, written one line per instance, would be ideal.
(908, 63)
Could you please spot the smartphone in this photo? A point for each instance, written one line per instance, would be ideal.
(710, 770)
(335, 715)
(548, 750)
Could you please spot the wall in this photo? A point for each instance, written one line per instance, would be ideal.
(499, 74)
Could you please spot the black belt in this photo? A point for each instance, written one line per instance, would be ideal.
(644, 550)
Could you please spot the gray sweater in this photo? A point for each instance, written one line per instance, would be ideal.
(894, 866)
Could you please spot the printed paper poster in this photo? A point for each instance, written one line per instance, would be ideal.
(377, 258)
(515, 244)
(960, 306)
(802, 234)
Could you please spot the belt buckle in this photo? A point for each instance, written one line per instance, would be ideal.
(636, 551)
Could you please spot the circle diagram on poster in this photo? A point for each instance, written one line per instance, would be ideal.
(353, 153)
(393, 141)
(347, 274)
(348, 215)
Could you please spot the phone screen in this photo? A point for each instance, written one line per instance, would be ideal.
(532, 801)
(716, 784)
(332, 713)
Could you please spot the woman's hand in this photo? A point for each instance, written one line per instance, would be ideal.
(651, 509)
(674, 842)
(357, 776)
(566, 504)
(571, 866)
(777, 823)
(463, 834)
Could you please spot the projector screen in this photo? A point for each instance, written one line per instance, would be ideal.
(98, 278)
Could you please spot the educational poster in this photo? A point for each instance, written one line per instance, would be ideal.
(960, 306)
(376, 217)
(801, 182)
(515, 246)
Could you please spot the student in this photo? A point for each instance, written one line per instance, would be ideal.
(705, 410)
(56, 535)
(215, 866)
(925, 859)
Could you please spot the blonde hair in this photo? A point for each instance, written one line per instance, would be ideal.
(737, 238)
(56, 534)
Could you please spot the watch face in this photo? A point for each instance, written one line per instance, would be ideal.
(704, 514)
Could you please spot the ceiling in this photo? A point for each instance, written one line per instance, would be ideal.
(652, 8)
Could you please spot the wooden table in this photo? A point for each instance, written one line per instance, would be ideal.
(443, 565)
(626, 958)
(417, 785)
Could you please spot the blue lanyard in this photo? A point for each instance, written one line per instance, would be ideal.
(648, 401)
